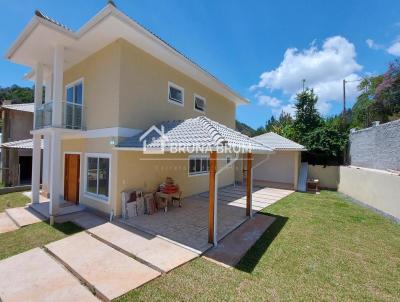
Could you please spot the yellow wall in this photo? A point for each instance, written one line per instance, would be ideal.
(126, 87)
(100, 73)
(144, 93)
(146, 172)
(98, 145)
(328, 175)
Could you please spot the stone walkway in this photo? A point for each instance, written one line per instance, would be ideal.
(103, 262)
(35, 276)
(15, 218)
(234, 246)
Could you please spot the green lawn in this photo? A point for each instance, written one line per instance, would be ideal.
(34, 235)
(322, 247)
(12, 200)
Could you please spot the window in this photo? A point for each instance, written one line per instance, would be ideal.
(74, 92)
(98, 176)
(199, 165)
(199, 103)
(73, 108)
(175, 94)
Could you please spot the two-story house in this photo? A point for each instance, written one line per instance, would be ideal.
(105, 86)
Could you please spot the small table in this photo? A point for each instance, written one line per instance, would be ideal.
(313, 184)
(168, 198)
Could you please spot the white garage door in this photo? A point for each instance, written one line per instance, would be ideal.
(279, 168)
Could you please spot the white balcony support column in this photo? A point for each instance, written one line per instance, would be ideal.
(55, 175)
(48, 96)
(38, 94)
(46, 164)
(36, 156)
(58, 73)
(36, 168)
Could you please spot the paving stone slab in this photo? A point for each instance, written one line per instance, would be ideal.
(234, 246)
(23, 216)
(156, 251)
(108, 271)
(6, 224)
(36, 276)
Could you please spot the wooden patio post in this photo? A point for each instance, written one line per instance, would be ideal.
(249, 184)
(211, 198)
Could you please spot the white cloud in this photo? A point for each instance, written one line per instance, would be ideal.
(323, 68)
(394, 49)
(371, 44)
(267, 100)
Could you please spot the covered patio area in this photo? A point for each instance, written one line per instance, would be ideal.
(189, 225)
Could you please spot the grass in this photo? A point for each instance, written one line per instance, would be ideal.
(34, 235)
(12, 200)
(321, 247)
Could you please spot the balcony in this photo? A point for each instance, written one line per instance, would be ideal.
(72, 116)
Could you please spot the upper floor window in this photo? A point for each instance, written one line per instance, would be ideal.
(175, 94)
(74, 92)
(199, 103)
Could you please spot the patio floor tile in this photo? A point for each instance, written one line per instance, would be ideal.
(23, 216)
(6, 224)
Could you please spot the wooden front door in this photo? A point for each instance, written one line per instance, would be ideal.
(72, 177)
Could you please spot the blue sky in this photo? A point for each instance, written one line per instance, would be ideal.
(238, 41)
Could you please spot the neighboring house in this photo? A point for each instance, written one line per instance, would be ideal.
(107, 84)
(282, 167)
(17, 144)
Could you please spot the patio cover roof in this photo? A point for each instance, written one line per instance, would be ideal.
(21, 144)
(199, 132)
(277, 142)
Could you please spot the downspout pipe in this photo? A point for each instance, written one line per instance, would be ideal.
(216, 196)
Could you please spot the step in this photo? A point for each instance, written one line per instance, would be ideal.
(23, 216)
(7, 224)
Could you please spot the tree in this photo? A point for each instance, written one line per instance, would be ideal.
(17, 94)
(307, 117)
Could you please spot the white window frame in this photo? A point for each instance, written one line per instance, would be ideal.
(80, 80)
(97, 197)
(172, 101)
(194, 103)
(194, 157)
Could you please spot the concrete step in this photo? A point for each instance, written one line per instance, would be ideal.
(7, 224)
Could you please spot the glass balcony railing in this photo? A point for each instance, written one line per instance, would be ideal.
(72, 116)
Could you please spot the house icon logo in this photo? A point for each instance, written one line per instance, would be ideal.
(154, 140)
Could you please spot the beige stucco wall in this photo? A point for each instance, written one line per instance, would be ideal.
(144, 93)
(328, 175)
(100, 73)
(21, 124)
(378, 189)
(279, 168)
(84, 146)
(146, 172)
(127, 87)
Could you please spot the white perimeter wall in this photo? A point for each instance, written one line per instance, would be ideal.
(376, 188)
(328, 175)
(279, 168)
